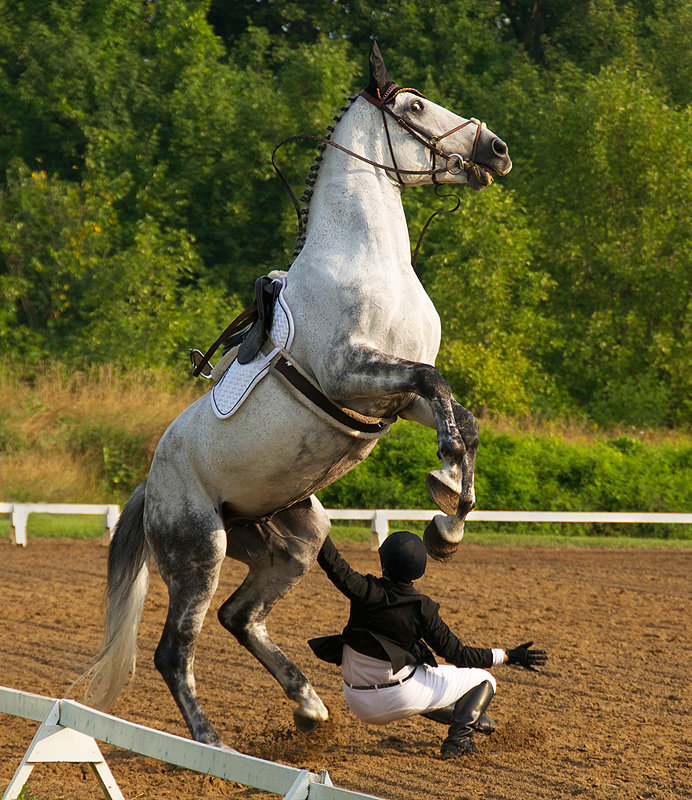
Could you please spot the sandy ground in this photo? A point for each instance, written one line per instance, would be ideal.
(608, 718)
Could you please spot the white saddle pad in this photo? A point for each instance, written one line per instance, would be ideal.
(235, 385)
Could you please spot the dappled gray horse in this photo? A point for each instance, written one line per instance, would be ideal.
(366, 335)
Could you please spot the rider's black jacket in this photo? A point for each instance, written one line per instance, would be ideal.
(390, 621)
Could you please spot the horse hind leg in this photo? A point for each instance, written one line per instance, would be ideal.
(189, 565)
(278, 553)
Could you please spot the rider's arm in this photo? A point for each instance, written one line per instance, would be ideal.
(351, 583)
(446, 644)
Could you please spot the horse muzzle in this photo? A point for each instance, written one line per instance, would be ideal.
(492, 154)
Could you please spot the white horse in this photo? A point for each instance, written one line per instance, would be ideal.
(367, 334)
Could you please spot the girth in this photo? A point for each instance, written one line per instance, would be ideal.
(310, 390)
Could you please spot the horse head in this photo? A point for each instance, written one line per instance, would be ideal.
(428, 143)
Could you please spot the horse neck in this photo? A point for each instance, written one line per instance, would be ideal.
(356, 210)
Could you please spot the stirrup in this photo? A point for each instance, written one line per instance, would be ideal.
(196, 358)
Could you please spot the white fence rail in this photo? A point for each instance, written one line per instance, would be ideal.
(69, 730)
(379, 518)
(19, 516)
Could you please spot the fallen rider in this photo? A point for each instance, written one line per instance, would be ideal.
(388, 669)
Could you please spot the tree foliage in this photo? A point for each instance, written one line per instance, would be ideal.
(138, 200)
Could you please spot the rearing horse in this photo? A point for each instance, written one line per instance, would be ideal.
(367, 334)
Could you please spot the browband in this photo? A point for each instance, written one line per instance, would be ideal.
(381, 98)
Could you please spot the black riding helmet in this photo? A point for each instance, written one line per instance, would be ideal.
(403, 556)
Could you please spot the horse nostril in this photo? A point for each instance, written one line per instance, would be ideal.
(499, 147)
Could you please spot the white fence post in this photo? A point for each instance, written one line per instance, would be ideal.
(18, 519)
(110, 520)
(19, 515)
(379, 528)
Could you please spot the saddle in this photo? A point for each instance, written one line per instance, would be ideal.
(259, 341)
(248, 331)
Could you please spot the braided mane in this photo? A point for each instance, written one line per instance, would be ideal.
(311, 180)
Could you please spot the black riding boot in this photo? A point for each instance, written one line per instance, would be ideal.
(468, 711)
(444, 716)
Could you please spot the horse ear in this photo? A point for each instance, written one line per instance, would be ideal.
(379, 77)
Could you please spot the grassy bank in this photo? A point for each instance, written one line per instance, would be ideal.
(82, 437)
(89, 437)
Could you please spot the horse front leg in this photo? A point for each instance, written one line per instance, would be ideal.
(367, 373)
(443, 534)
(279, 553)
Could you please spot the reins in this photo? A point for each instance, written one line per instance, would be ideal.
(422, 136)
(324, 140)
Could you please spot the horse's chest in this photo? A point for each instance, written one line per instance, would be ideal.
(395, 318)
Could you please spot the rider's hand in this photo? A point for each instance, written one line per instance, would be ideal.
(527, 658)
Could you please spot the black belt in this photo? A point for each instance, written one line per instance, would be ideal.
(381, 685)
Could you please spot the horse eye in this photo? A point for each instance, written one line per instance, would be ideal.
(416, 106)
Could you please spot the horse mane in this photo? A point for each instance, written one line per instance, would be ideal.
(310, 181)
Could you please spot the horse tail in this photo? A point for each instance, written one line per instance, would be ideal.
(128, 580)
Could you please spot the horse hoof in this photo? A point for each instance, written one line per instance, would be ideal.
(304, 723)
(436, 546)
(443, 492)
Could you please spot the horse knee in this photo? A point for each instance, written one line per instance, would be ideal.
(430, 384)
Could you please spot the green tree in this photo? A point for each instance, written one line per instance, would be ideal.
(480, 274)
(611, 166)
(52, 232)
(78, 286)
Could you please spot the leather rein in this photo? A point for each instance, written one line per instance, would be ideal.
(457, 165)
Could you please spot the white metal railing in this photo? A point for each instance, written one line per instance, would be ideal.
(379, 518)
(19, 515)
(69, 730)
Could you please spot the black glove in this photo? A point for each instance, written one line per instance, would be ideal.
(524, 657)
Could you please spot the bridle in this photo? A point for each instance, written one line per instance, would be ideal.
(458, 165)
(455, 163)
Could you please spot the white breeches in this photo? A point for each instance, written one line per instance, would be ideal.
(429, 689)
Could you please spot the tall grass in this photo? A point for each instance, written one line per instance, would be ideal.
(82, 436)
